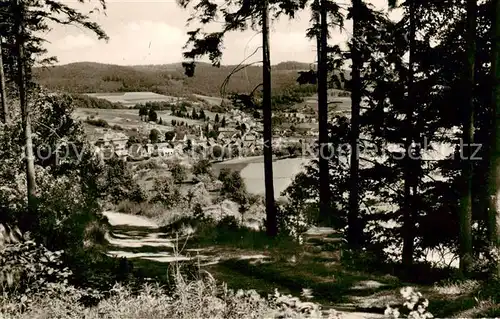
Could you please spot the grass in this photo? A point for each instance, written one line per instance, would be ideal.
(292, 268)
(330, 285)
(227, 233)
(201, 297)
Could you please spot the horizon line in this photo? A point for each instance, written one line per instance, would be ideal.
(170, 63)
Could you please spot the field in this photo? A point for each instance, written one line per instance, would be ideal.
(130, 99)
(129, 120)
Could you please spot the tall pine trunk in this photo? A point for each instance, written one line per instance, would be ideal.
(494, 181)
(408, 207)
(324, 175)
(25, 112)
(355, 232)
(465, 212)
(3, 93)
(271, 220)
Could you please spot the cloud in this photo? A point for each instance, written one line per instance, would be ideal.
(72, 42)
(131, 42)
(154, 32)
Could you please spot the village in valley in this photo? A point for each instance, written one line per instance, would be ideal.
(176, 127)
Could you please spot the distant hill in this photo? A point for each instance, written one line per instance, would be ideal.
(169, 79)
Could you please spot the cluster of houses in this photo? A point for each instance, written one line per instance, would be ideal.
(241, 134)
(118, 144)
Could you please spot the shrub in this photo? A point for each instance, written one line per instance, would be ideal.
(415, 305)
(152, 116)
(137, 194)
(148, 165)
(119, 184)
(179, 172)
(97, 122)
(167, 193)
(154, 136)
(202, 167)
(26, 267)
(169, 135)
(117, 127)
(233, 186)
(202, 297)
(198, 211)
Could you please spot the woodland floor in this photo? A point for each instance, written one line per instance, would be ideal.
(356, 294)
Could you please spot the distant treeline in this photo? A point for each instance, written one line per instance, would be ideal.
(90, 102)
(169, 80)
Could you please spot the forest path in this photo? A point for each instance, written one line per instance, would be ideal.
(137, 237)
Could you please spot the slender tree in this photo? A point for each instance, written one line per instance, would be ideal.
(465, 211)
(408, 207)
(20, 15)
(248, 13)
(494, 180)
(324, 180)
(355, 232)
(3, 93)
(22, 23)
(271, 218)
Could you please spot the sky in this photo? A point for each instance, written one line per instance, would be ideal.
(154, 32)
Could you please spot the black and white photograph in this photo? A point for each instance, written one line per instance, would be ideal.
(247, 159)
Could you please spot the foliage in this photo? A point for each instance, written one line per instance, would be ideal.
(152, 116)
(294, 220)
(154, 136)
(438, 87)
(179, 172)
(87, 77)
(31, 269)
(97, 122)
(90, 102)
(414, 303)
(233, 186)
(169, 135)
(118, 181)
(202, 167)
(201, 297)
(167, 193)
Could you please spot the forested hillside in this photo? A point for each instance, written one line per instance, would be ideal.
(86, 77)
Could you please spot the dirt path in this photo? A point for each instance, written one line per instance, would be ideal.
(139, 237)
(136, 237)
(119, 219)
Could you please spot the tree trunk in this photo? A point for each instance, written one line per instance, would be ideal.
(25, 112)
(323, 154)
(3, 93)
(355, 232)
(408, 209)
(271, 220)
(465, 212)
(494, 181)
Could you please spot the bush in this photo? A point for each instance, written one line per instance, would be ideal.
(169, 135)
(415, 306)
(233, 186)
(202, 167)
(154, 136)
(179, 172)
(119, 184)
(117, 127)
(148, 165)
(26, 267)
(167, 193)
(198, 212)
(97, 122)
(201, 297)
